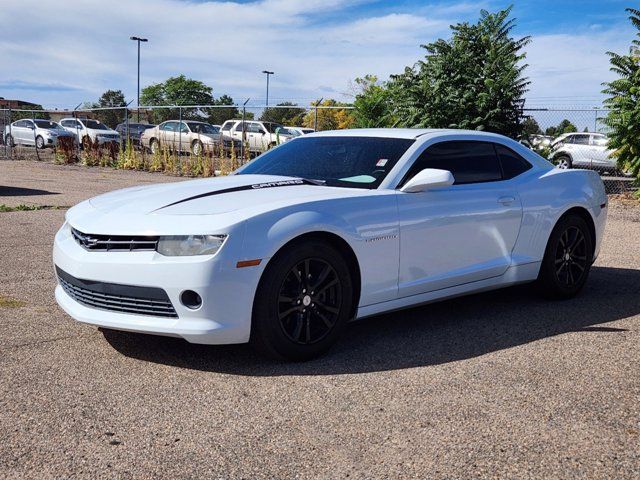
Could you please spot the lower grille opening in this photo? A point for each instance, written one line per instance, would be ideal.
(116, 297)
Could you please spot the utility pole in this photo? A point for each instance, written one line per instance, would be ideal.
(267, 73)
(139, 40)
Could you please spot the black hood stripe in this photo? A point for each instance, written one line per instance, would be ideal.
(255, 186)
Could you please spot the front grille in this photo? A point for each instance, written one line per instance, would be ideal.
(117, 298)
(107, 243)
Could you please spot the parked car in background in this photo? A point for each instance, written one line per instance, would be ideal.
(41, 133)
(259, 136)
(189, 136)
(583, 150)
(297, 131)
(133, 132)
(86, 129)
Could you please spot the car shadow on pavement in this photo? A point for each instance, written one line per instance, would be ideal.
(438, 333)
(23, 192)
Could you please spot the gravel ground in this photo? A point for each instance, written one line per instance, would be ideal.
(501, 384)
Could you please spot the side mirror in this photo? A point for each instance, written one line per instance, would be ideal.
(427, 179)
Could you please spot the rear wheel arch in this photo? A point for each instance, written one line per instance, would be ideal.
(586, 216)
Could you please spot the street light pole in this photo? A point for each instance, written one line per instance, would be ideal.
(267, 73)
(139, 39)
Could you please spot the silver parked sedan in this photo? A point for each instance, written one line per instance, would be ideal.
(41, 133)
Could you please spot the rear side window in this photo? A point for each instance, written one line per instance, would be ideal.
(469, 162)
(581, 139)
(512, 163)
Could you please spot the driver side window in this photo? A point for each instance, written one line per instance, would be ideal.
(468, 161)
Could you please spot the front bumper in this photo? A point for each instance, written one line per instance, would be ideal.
(227, 293)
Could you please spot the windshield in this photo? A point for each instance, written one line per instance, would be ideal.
(47, 124)
(356, 162)
(196, 127)
(286, 131)
(95, 125)
(271, 127)
(137, 127)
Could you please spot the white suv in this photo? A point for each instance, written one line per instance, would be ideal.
(87, 129)
(259, 136)
(583, 150)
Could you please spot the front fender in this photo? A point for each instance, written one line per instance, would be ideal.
(368, 225)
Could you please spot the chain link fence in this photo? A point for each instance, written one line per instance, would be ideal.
(199, 141)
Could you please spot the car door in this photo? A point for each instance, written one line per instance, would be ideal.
(600, 153)
(256, 135)
(581, 154)
(18, 132)
(166, 132)
(462, 233)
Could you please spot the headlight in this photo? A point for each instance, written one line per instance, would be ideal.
(188, 245)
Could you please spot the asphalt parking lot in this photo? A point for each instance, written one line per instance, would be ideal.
(501, 384)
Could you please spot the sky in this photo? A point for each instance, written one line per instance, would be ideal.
(65, 52)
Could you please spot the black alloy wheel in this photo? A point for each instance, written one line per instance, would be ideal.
(303, 302)
(571, 257)
(567, 259)
(309, 301)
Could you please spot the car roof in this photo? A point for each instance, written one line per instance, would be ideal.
(407, 133)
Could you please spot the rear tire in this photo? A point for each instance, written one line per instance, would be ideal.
(303, 302)
(567, 259)
(10, 141)
(197, 148)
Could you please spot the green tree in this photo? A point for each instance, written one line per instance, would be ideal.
(35, 111)
(473, 81)
(565, 126)
(330, 118)
(372, 104)
(530, 127)
(217, 116)
(623, 103)
(110, 99)
(178, 90)
(288, 113)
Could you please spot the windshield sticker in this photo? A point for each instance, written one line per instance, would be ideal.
(382, 162)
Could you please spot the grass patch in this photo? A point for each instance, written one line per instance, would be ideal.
(30, 208)
(6, 302)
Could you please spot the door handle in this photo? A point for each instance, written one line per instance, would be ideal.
(506, 200)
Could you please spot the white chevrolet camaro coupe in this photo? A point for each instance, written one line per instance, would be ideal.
(326, 228)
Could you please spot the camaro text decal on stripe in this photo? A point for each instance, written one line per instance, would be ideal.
(384, 237)
(255, 186)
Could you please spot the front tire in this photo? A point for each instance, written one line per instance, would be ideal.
(303, 302)
(567, 259)
(39, 142)
(564, 162)
(154, 146)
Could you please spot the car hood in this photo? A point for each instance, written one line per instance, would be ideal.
(217, 201)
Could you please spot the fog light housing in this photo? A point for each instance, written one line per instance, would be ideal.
(191, 299)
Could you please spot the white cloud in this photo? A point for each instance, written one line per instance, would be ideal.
(81, 48)
(570, 68)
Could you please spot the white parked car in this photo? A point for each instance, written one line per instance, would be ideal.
(86, 129)
(188, 136)
(326, 228)
(297, 131)
(259, 136)
(41, 133)
(583, 150)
